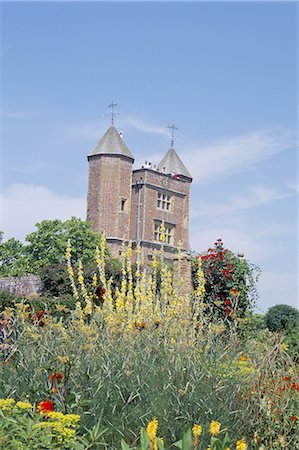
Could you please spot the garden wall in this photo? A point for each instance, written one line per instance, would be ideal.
(29, 284)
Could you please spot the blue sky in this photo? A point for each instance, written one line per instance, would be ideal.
(225, 73)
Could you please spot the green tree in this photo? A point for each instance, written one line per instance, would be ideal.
(48, 243)
(13, 258)
(282, 318)
(46, 246)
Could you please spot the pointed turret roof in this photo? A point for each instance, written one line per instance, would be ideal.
(173, 164)
(111, 143)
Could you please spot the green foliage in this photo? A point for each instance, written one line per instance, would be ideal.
(282, 318)
(48, 243)
(251, 325)
(14, 260)
(46, 246)
(230, 282)
(23, 427)
(291, 339)
(124, 384)
(56, 281)
(187, 442)
(285, 319)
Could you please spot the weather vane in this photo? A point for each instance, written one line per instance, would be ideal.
(172, 128)
(112, 112)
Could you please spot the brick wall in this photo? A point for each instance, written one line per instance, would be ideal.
(30, 284)
(178, 215)
(110, 180)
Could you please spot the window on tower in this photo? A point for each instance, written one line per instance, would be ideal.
(123, 203)
(164, 232)
(163, 201)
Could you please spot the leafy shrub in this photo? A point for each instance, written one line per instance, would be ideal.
(25, 426)
(291, 340)
(282, 318)
(56, 281)
(8, 299)
(230, 282)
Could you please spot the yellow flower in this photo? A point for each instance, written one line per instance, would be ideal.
(214, 427)
(151, 429)
(6, 404)
(282, 440)
(66, 419)
(241, 445)
(94, 280)
(197, 430)
(24, 405)
(63, 359)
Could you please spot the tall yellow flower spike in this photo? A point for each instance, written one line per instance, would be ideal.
(197, 430)
(215, 428)
(151, 429)
(241, 445)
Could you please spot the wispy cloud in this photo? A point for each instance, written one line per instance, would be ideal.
(293, 184)
(30, 169)
(24, 205)
(21, 114)
(95, 128)
(258, 195)
(145, 126)
(227, 156)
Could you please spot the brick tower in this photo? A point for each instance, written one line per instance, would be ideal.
(161, 196)
(110, 188)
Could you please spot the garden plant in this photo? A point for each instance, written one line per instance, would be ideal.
(138, 361)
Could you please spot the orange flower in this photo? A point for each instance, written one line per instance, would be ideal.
(294, 418)
(45, 406)
(139, 325)
(55, 376)
(234, 292)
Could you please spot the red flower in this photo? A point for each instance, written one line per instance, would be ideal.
(227, 311)
(227, 302)
(55, 376)
(36, 318)
(45, 406)
(294, 418)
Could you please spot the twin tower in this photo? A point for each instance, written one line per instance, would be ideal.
(133, 204)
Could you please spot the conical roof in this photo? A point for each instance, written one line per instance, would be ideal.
(173, 164)
(111, 143)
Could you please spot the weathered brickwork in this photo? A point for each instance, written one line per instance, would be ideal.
(30, 284)
(123, 203)
(147, 184)
(110, 180)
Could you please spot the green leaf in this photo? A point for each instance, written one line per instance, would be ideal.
(178, 444)
(187, 441)
(124, 445)
(144, 440)
(160, 445)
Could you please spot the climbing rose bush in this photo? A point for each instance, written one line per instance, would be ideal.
(230, 282)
